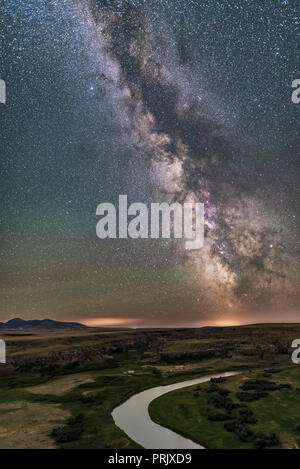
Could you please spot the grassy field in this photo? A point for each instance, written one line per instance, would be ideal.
(189, 411)
(85, 408)
(58, 389)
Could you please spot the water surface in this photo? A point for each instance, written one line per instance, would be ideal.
(133, 418)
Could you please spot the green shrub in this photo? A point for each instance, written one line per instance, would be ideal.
(240, 429)
(285, 386)
(218, 380)
(251, 396)
(70, 432)
(88, 399)
(259, 385)
(261, 440)
(215, 388)
(246, 415)
(66, 434)
(222, 402)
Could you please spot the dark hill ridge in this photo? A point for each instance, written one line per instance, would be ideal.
(48, 324)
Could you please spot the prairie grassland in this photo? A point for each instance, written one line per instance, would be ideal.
(71, 381)
(187, 411)
(25, 425)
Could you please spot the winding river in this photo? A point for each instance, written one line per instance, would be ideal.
(133, 418)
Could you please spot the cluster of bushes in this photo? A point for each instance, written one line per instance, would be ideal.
(220, 398)
(245, 434)
(218, 380)
(255, 389)
(239, 422)
(259, 384)
(72, 431)
(252, 390)
(224, 402)
(89, 399)
(247, 416)
(215, 388)
(261, 440)
(240, 426)
(212, 388)
(262, 385)
(251, 396)
(240, 429)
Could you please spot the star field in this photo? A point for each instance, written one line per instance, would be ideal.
(163, 101)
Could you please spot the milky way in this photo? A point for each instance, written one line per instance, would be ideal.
(163, 101)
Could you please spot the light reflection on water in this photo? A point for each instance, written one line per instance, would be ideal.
(133, 418)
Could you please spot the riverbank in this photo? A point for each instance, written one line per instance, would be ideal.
(133, 417)
(82, 417)
(190, 412)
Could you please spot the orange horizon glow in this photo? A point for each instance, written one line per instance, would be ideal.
(227, 323)
(140, 323)
(107, 322)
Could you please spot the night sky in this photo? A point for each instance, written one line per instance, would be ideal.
(162, 100)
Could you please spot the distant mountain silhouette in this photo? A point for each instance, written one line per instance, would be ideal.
(49, 324)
